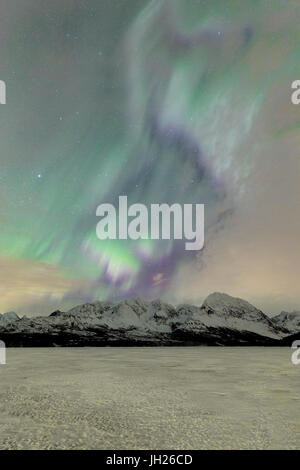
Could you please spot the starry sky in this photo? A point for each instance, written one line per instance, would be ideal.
(162, 101)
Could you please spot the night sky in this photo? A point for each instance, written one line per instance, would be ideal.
(162, 101)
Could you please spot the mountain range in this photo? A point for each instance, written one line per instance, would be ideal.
(221, 320)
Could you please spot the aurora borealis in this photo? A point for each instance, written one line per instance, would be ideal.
(165, 102)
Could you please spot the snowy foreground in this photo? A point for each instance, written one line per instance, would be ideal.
(149, 398)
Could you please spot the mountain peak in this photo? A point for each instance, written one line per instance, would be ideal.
(57, 313)
(8, 317)
(225, 305)
(288, 320)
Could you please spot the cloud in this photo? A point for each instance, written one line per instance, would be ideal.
(32, 287)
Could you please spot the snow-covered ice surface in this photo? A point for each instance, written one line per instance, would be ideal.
(150, 398)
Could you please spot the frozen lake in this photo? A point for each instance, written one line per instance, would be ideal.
(150, 398)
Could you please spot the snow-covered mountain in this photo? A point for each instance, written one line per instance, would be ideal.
(237, 314)
(288, 320)
(225, 319)
(8, 318)
(221, 320)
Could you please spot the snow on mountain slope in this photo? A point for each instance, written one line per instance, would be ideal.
(132, 313)
(226, 306)
(223, 311)
(220, 320)
(8, 318)
(288, 320)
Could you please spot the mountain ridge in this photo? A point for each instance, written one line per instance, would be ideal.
(220, 320)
